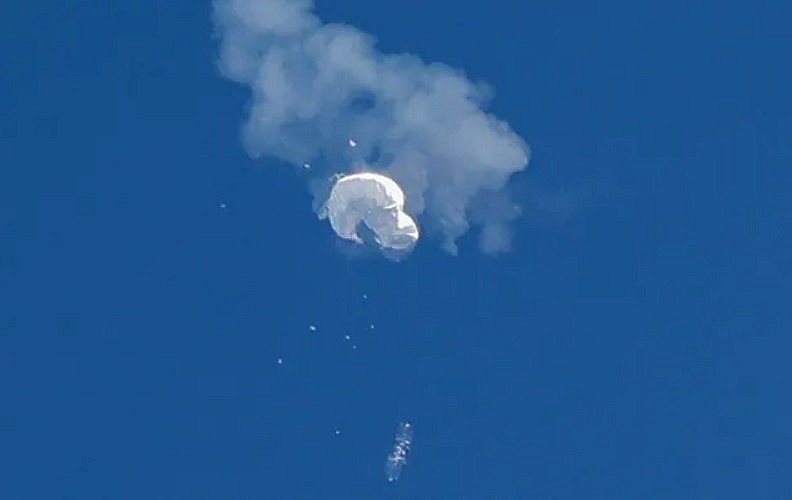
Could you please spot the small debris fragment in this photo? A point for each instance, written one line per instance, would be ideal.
(347, 337)
(223, 205)
(280, 361)
(401, 447)
(337, 432)
(312, 328)
(365, 296)
(371, 326)
(307, 166)
(352, 143)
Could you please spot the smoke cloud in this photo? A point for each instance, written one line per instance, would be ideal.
(315, 85)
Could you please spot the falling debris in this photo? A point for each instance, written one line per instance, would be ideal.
(376, 201)
(312, 328)
(371, 326)
(354, 346)
(337, 432)
(401, 447)
(280, 361)
(307, 166)
(223, 205)
(352, 143)
(347, 337)
(365, 296)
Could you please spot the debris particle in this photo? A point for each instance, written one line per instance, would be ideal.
(337, 432)
(371, 326)
(280, 361)
(223, 205)
(347, 337)
(312, 328)
(306, 166)
(365, 296)
(352, 143)
(401, 447)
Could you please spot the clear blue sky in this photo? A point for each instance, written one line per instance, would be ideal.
(634, 345)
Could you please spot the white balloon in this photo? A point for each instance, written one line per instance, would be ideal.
(376, 201)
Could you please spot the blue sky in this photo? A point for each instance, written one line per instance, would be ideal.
(634, 343)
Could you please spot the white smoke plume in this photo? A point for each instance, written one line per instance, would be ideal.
(315, 85)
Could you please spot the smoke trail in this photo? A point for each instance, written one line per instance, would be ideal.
(316, 85)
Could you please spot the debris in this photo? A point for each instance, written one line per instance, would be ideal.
(401, 447)
(375, 201)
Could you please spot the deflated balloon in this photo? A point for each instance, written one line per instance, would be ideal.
(376, 201)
